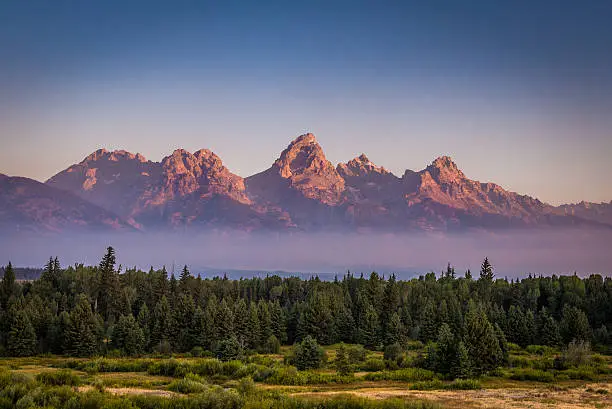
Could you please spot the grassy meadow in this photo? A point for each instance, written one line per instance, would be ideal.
(267, 381)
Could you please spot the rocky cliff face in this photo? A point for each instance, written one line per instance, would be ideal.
(303, 190)
(113, 180)
(302, 168)
(597, 212)
(28, 205)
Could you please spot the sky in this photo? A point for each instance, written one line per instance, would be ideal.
(518, 93)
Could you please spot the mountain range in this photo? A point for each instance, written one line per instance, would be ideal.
(301, 191)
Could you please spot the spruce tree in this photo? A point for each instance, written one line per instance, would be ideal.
(341, 362)
(197, 329)
(486, 270)
(462, 366)
(162, 324)
(369, 333)
(144, 322)
(7, 289)
(549, 330)
(109, 288)
(308, 354)
(277, 316)
(481, 341)
(84, 334)
(128, 336)
(21, 337)
(241, 321)
(395, 330)
(574, 325)
(254, 328)
(428, 329)
(446, 350)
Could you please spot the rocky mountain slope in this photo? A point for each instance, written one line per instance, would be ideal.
(28, 205)
(302, 190)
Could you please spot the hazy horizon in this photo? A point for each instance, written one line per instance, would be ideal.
(513, 254)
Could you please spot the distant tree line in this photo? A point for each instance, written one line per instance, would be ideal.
(84, 311)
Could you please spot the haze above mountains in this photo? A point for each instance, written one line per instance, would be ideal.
(302, 191)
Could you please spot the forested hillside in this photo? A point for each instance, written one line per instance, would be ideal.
(84, 311)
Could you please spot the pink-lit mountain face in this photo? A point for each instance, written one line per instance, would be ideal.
(302, 190)
(28, 205)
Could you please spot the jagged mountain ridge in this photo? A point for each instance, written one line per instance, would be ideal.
(28, 205)
(301, 190)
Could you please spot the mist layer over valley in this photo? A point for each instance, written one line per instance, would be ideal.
(513, 254)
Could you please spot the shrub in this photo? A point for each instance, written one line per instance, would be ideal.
(394, 353)
(532, 375)
(197, 352)
(373, 365)
(576, 354)
(189, 384)
(540, 350)
(414, 345)
(246, 386)
(272, 345)
(406, 375)
(585, 373)
(356, 353)
(464, 384)
(58, 378)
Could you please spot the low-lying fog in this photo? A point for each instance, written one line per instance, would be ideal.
(512, 253)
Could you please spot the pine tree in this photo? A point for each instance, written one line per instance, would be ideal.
(395, 330)
(224, 322)
(503, 344)
(229, 349)
(344, 325)
(549, 330)
(369, 333)
(518, 331)
(342, 364)
(184, 280)
(574, 325)
(308, 354)
(241, 321)
(84, 334)
(428, 329)
(254, 329)
(128, 336)
(197, 329)
(182, 319)
(316, 320)
(480, 340)
(277, 316)
(462, 366)
(144, 322)
(7, 289)
(21, 337)
(265, 320)
(446, 350)
(272, 345)
(162, 324)
(486, 270)
(109, 288)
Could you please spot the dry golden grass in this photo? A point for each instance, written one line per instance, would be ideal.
(133, 391)
(502, 398)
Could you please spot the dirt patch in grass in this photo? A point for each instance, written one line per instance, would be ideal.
(133, 391)
(514, 398)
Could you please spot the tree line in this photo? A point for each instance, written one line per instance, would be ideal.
(88, 310)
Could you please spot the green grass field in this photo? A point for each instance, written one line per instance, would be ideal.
(261, 381)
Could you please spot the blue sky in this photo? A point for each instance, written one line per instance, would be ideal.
(519, 93)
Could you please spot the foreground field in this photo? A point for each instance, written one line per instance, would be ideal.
(266, 381)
